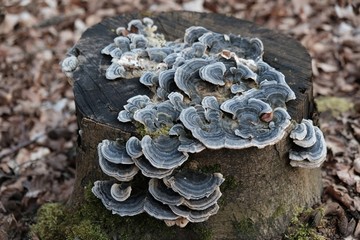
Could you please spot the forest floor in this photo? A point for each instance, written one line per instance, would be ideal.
(38, 123)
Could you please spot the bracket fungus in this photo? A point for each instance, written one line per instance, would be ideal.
(310, 146)
(210, 90)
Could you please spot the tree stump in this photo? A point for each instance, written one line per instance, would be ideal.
(261, 191)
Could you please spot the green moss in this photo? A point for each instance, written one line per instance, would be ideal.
(244, 229)
(279, 212)
(300, 227)
(142, 130)
(230, 183)
(91, 220)
(50, 221)
(86, 230)
(335, 105)
(211, 168)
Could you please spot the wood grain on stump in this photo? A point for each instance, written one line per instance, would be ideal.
(264, 190)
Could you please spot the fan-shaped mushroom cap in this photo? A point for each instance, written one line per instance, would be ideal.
(116, 53)
(120, 192)
(166, 83)
(310, 137)
(122, 172)
(166, 113)
(299, 132)
(262, 135)
(69, 64)
(194, 185)
(114, 71)
(166, 195)
(275, 94)
(123, 43)
(133, 147)
(215, 134)
(163, 194)
(186, 75)
(193, 33)
(138, 41)
(162, 151)
(134, 103)
(310, 157)
(149, 170)
(188, 143)
(196, 50)
(158, 210)
(195, 215)
(215, 42)
(177, 99)
(246, 48)
(136, 26)
(243, 72)
(205, 202)
(148, 21)
(108, 49)
(149, 79)
(170, 59)
(113, 152)
(147, 117)
(158, 54)
(213, 73)
(132, 206)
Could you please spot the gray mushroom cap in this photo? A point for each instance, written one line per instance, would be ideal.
(123, 43)
(310, 157)
(108, 49)
(133, 147)
(149, 79)
(177, 100)
(299, 132)
(158, 210)
(310, 137)
(215, 134)
(205, 202)
(162, 152)
(113, 152)
(122, 172)
(116, 53)
(186, 75)
(133, 104)
(193, 33)
(147, 117)
(264, 135)
(166, 83)
(194, 185)
(69, 64)
(215, 42)
(149, 170)
(120, 191)
(136, 25)
(213, 73)
(132, 206)
(166, 113)
(195, 215)
(188, 143)
(114, 71)
(164, 194)
(138, 41)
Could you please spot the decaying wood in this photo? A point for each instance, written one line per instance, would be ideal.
(265, 190)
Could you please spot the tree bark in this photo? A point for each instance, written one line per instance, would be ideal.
(261, 190)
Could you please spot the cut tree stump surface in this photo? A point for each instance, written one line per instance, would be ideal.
(266, 189)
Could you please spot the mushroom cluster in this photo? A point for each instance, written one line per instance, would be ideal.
(210, 90)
